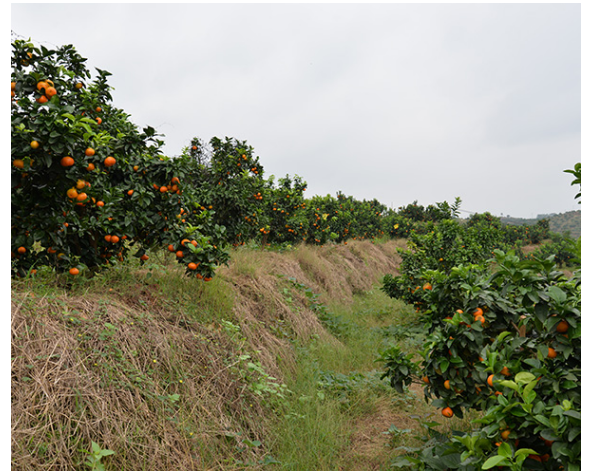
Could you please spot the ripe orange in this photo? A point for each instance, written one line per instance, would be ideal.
(562, 327)
(192, 266)
(100, 204)
(98, 109)
(42, 84)
(427, 286)
(447, 412)
(91, 166)
(67, 161)
(144, 257)
(447, 384)
(74, 271)
(18, 163)
(107, 237)
(426, 380)
(80, 184)
(42, 99)
(185, 241)
(490, 380)
(480, 319)
(170, 248)
(34, 144)
(50, 92)
(505, 434)
(551, 352)
(130, 192)
(72, 193)
(82, 197)
(504, 371)
(207, 278)
(179, 254)
(79, 85)
(110, 161)
(99, 120)
(21, 250)
(13, 85)
(115, 239)
(478, 312)
(89, 152)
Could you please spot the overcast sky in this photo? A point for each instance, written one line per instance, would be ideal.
(398, 102)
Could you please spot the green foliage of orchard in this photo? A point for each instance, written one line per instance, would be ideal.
(284, 220)
(503, 336)
(62, 211)
(229, 184)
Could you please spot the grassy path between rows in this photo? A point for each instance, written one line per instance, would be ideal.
(345, 417)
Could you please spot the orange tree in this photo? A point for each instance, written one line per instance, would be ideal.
(86, 185)
(504, 338)
(442, 247)
(228, 183)
(284, 218)
(342, 218)
(507, 343)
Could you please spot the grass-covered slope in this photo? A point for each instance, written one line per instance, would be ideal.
(270, 362)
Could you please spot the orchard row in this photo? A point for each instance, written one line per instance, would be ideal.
(88, 187)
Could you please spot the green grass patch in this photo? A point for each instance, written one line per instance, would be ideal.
(335, 383)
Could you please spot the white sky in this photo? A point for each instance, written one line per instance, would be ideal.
(398, 102)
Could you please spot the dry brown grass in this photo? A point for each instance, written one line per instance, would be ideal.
(105, 367)
(76, 380)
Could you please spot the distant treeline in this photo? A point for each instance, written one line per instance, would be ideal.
(568, 223)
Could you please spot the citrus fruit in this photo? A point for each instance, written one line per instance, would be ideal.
(67, 161)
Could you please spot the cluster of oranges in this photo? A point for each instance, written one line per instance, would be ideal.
(172, 187)
(47, 90)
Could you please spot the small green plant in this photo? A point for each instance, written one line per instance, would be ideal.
(95, 457)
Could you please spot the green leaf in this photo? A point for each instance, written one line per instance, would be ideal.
(508, 384)
(573, 413)
(557, 294)
(528, 393)
(525, 451)
(493, 461)
(524, 377)
(504, 450)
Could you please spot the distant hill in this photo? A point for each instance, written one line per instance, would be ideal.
(567, 222)
(560, 223)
